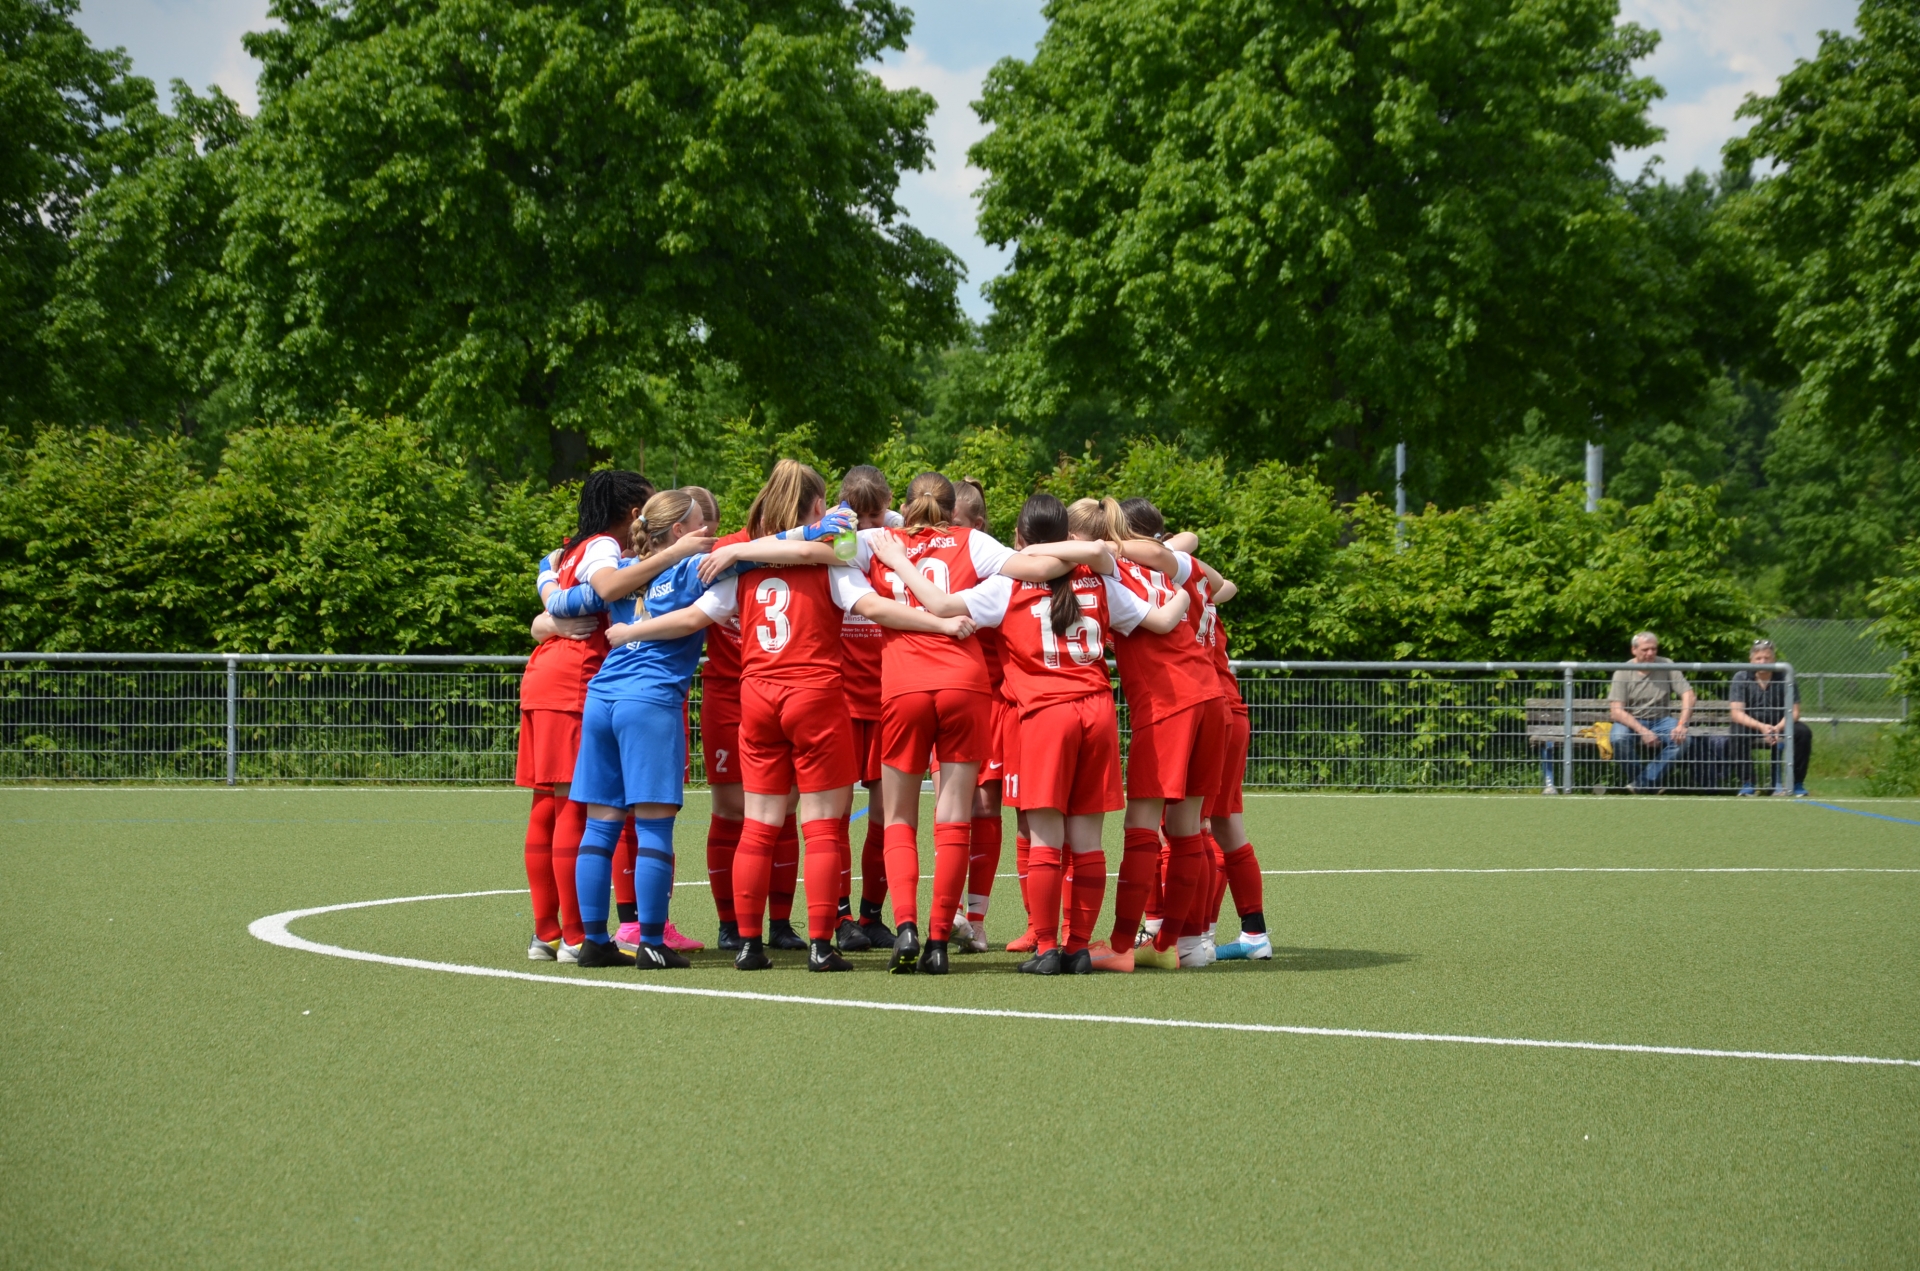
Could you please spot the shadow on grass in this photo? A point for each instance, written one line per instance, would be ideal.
(1284, 959)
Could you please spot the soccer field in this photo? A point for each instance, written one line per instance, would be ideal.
(178, 1092)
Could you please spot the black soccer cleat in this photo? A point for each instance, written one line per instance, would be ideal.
(906, 950)
(821, 957)
(781, 935)
(877, 934)
(597, 953)
(657, 957)
(752, 955)
(851, 937)
(1047, 963)
(1080, 963)
(933, 958)
(729, 937)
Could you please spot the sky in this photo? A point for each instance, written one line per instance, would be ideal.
(1712, 54)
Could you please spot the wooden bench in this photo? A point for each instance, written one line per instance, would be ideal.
(1546, 727)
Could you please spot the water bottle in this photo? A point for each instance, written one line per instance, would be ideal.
(846, 544)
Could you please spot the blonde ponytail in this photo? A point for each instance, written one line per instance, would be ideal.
(653, 528)
(1098, 519)
(929, 502)
(784, 500)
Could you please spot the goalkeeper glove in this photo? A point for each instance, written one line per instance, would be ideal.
(840, 518)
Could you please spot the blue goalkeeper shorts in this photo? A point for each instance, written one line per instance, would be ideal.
(630, 752)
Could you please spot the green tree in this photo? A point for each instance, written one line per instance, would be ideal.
(511, 221)
(57, 95)
(1320, 227)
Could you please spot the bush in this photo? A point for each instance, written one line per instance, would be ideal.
(1897, 598)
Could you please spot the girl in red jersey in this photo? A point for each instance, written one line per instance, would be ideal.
(1178, 733)
(864, 491)
(936, 697)
(1226, 827)
(1054, 637)
(986, 831)
(795, 733)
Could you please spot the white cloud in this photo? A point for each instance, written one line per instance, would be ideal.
(940, 201)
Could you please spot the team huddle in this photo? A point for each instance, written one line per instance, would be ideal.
(860, 645)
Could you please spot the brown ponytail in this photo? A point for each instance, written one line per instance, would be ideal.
(1043, 519)
(929, 502)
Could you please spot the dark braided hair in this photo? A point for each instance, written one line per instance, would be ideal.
(605, 498)
(1043, 519)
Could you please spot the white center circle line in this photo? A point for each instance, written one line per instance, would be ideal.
(273, 930)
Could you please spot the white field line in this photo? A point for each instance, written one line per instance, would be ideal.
(273, 930)
(1611, 869)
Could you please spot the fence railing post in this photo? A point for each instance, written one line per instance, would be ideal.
(1566, 730)
(1783, 780)
(233, 720)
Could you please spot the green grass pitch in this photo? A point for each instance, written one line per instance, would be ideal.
(174, 1092)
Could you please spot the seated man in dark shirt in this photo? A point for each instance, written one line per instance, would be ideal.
(1758, 706)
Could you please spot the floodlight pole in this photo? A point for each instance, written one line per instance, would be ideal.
(1784, 756)
(1566, 731)
(233, 719)
(1595, 464)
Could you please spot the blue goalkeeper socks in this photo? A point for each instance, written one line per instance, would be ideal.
(653, 877)
(593, 876)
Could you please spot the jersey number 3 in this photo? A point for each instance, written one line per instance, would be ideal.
(774, 596)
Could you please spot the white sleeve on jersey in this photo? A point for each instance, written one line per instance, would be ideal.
(987, 601)
(1125, 611)
(988, 553)
(893, 519)
(863, 557)
(1183, 568)
(720, 601)
(602, 553)
(846, 585)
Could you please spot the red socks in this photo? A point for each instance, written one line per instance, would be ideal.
(539, 860)
(786, 871)
(568, 825)
(723, 837)
(623, 863)
(826, 856)
(952, 844)
(1186, 862)
(982, 863)
(1243, 875)
(903, 872)
(1022, 861)
(1089, 891)
(873, 862)
(753, 874)
(1139, 866)
(1043, 889)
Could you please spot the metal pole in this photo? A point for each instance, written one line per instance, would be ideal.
(1400, 493)
(1595, 465)
(233, 720)
(1785, 754)
(1566, 732)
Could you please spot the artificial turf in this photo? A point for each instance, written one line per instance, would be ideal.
(174, 1092)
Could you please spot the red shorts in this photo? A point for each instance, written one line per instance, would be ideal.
(1002, 719)
(1228, 800)
(793, 734)
(866, 749)
(1179, 756)
(1072, 762)
(720, 738)
(954, 721)
(549, 743)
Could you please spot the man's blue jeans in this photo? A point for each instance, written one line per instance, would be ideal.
(1626, 742)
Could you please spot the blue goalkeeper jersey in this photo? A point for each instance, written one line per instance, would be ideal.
(658, 671)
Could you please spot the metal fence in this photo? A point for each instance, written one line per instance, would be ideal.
(310, 718)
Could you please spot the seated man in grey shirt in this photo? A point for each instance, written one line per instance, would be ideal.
(1639, 703)
(1757, 703)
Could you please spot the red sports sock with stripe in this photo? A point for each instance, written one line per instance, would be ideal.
(786, 871)
(1066, 889)
(1043, 887)
(1185, 863)
(723, 838)
(1139, 863)
(1243, 876)
(845, 890)
(568, 825)
(1207, 911)
(539, 861)
(952, 845)
(903, 872)
(752, 873)
(826, 865)
(1022, 861)
(982, 864)
(1089, 892)
(623, 864)
(873, 862)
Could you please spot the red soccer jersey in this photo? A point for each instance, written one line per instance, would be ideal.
(1165, 674)
(558, 670)
(955, 557)
(790, 619)
(1217, 638)
(995, 651)
(1043, 667)
(721, 675)
(861, 640)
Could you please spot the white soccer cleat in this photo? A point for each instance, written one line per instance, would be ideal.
(542, 950)
(569, 954)
(1251, 945)
(1207, 946)
(1549, 789)
(1193, 952)
(976, 939)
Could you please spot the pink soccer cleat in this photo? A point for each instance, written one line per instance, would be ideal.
(680, 943)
